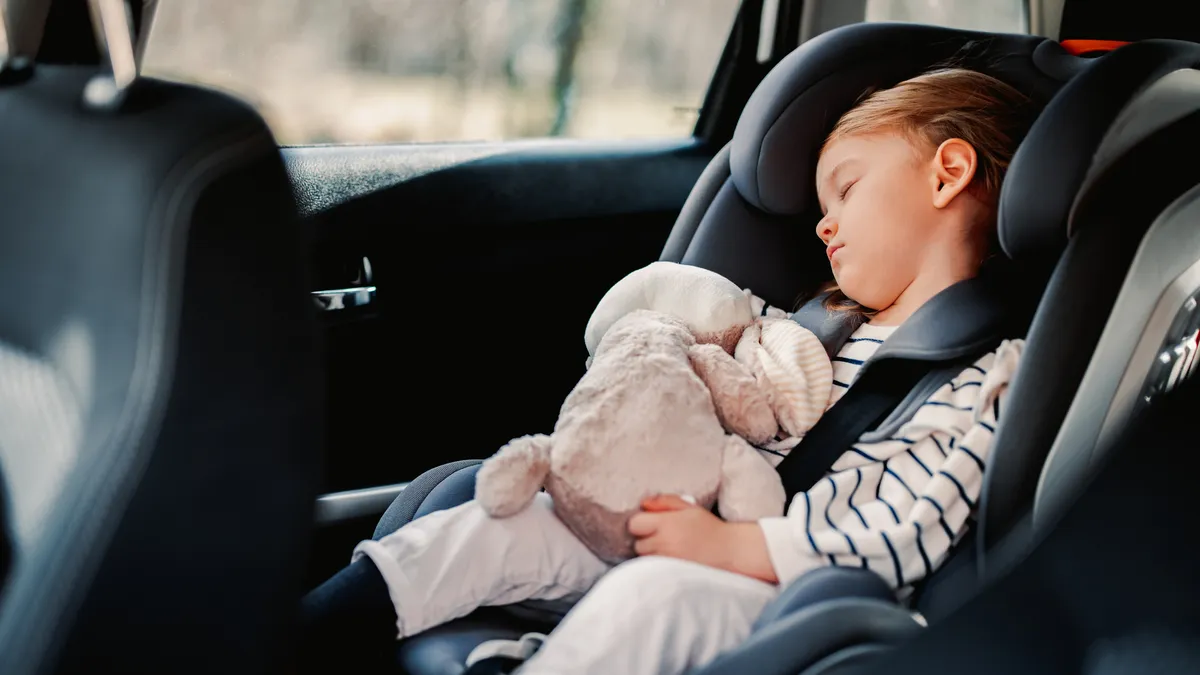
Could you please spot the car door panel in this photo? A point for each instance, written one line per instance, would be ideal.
(488, 260)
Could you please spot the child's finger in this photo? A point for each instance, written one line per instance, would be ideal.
(667, 503)
(643, 524)
(647, 546)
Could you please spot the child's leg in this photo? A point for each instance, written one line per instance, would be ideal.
(449, 563)
(653, 615)
(347, 623)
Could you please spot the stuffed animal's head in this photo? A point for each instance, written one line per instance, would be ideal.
(712, 307)
(646, 331)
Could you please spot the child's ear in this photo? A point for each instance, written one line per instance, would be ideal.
(954, 166)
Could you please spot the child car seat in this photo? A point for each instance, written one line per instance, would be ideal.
(751, 214)
(1110, 587)
(1132, 265)
(1053, 178)
(1159, 293)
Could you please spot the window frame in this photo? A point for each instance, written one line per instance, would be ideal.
(739, 70)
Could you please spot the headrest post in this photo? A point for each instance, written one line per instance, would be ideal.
(114, 40)
(13, 66)
(5, 53)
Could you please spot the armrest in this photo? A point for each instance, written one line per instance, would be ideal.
(441, 487)
(823, 584)
(806, 636)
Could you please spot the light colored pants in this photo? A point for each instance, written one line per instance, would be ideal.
(651, 615)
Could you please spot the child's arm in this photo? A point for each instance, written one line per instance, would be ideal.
(901, 538)
(901, 544)
(899, 514)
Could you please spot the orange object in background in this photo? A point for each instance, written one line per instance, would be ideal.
(1077, 47)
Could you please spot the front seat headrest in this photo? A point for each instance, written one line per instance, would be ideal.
(1049, 168)
(779, 134)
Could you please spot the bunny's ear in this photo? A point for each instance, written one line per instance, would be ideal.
(741, 405)
(794, 370)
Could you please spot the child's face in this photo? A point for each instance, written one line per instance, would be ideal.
(879, 200)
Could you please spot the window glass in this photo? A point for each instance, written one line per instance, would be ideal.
(370, 71)
(997, 16)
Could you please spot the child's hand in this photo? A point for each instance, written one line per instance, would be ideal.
(672, 527)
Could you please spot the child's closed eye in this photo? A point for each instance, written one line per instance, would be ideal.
(846, 190)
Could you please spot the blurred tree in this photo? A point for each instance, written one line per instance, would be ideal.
(519, 34)
(569, 35)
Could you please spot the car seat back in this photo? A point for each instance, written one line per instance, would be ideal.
(1060, 200)
(1137, 183)
(160, 379)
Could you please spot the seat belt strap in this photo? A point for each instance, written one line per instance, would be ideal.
(878, 391)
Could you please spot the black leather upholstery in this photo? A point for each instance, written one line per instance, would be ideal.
(157, 336)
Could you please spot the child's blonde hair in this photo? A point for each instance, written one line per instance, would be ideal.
(934, 107)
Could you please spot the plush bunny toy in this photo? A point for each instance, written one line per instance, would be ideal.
(666, 408)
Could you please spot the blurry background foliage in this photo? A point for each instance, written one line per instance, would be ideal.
(403, 71)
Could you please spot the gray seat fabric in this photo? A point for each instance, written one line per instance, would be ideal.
(1076, 261)
(1131, 365)
(827, 628)
(441, 487)
(1110, 587)
(160, 382)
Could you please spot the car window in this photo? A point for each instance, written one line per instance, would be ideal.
(373, 71)
(998, 16)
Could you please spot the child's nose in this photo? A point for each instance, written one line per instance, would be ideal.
(826, 229)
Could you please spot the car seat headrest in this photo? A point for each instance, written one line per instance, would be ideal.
(1050, 166)
(779, 134)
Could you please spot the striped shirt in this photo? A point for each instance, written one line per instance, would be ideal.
(897, 505)
(861, 346)
(849, 360)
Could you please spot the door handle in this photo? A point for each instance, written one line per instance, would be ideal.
(344, 298)
(338, 299)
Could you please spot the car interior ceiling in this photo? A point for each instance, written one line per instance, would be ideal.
(439, 249)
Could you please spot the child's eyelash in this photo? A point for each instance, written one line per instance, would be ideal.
(845, 190)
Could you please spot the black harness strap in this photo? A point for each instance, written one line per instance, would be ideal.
(878, 391)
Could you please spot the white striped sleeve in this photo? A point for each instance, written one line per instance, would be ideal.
(897, 506)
